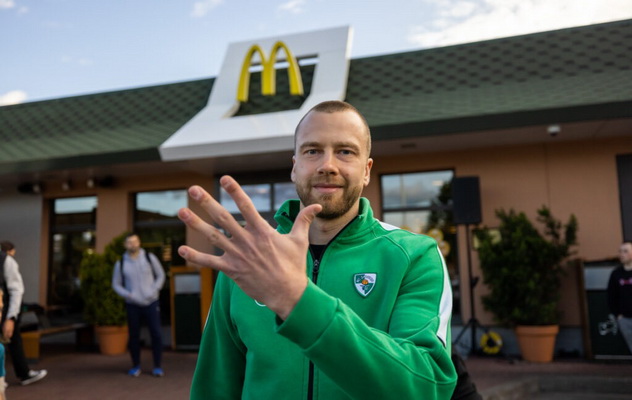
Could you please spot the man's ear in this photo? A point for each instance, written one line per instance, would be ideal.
(293, 174)
(367, 171)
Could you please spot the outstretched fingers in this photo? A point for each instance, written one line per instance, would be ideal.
(212, 234)
(202, 259)
(216, 211)
(254, 220)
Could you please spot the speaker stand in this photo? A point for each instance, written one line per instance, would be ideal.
(473, 324)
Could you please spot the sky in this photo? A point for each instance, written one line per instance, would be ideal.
(60, 48)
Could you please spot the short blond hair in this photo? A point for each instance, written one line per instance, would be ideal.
(333, 106)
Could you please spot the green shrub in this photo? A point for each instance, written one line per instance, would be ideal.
(523, 268)
(102, 306)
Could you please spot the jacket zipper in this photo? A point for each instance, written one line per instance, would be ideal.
(315, 271)
(310, 382)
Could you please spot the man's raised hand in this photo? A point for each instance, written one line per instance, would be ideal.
(267, 266)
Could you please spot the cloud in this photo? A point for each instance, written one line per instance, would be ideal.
(13, 97)
(458, 9)
(471, 21)
(6, 4)
(82, 62)
(203, 7)
(292, 6)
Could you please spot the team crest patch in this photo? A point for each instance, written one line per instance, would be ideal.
(364, 283)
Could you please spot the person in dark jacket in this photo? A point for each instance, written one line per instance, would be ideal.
(465, 388)
(620, 293)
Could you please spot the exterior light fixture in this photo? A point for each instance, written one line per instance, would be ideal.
(553, 130)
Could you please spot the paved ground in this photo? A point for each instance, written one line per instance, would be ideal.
(76, 375)
(568, 379)
(490, 372)
(84, 375)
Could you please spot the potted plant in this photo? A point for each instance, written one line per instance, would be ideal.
(523, 267)
(102, 306)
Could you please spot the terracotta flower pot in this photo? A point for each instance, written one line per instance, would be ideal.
(537, 342)
(112, 339)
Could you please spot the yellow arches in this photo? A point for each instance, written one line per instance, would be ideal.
(268, 73)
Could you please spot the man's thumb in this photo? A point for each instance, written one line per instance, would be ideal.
(305, 218)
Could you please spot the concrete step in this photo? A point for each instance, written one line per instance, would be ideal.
(562, 387)
(581, 396)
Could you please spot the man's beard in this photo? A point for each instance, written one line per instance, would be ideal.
(332, 209)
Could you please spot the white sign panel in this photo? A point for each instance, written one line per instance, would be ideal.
(214, 132)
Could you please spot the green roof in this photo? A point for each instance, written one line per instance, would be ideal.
(560, 76)
(97, 129)
(576, 74)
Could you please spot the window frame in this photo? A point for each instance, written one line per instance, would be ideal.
(457, 279)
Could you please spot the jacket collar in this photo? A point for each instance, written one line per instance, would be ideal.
(286, 215)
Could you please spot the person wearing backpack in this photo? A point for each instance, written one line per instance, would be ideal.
(138, 278)
(13, 288)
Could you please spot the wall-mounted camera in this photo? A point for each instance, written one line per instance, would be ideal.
(553, 130)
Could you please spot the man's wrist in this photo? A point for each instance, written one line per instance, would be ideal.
(288, 303)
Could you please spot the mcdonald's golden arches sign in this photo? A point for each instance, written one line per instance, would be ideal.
(217, 131)
(268, 73)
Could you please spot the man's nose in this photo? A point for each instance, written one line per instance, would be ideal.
(328, 164)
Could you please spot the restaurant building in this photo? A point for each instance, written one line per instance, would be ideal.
(538, 119)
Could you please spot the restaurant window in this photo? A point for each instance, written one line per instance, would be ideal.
(72, 232)
(267, 198)
(161, 233)
(421, 202)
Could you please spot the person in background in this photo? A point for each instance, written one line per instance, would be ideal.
(465, 388)
(3, 371)
(335, 304)
(13, 288)
(620, 293)
(138, 278)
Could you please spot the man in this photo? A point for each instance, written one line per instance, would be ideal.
(3, 383)
(138, 278)
(13, 288)
(620, 292)
(373, 320)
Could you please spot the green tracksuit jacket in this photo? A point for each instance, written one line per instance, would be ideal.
(375, 324)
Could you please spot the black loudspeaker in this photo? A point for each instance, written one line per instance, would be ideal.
(466, 197)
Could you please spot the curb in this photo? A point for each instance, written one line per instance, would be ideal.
(528, 388)
(515, 390)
